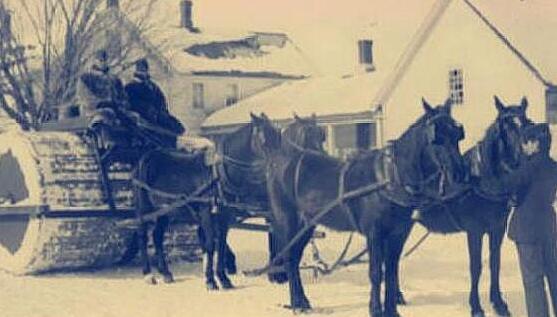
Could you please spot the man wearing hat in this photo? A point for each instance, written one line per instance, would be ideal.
(102, 94)
(147, 99)
(98, 88)
(533, 226)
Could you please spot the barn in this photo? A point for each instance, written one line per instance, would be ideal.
(453, 49)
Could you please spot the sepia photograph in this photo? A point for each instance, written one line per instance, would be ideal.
(275, 158)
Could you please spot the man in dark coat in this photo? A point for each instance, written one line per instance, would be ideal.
(533, 227)
(102, 97)
(147, 99)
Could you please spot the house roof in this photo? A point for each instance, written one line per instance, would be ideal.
(214, 50)
(361, 93)
(322, 96)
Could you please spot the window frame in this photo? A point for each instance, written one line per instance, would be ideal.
(198, 95)
(232, 89)
(456, 85)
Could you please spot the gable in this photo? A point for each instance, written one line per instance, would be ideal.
(462, 41)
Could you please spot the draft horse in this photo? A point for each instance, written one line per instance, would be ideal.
(421, 166)
(242, 171)
(484, 209)
(172, 181)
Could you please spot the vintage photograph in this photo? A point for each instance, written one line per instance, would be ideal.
(273, 158)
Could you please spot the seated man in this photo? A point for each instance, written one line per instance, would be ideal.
(147, 99)
(102, 94)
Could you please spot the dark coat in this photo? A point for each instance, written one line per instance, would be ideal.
(147, 99)
(100, 89)
(534, 219)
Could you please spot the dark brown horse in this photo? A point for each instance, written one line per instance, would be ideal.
(423, 165)
(242, 171)
(164, 176)
(484, 210)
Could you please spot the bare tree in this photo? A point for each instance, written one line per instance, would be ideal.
(68, 32)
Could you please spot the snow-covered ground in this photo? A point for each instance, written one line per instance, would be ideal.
(435, 280)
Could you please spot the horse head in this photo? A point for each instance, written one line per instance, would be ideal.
(265, 137)
(506, 135)
(303, 134)
(429, 156)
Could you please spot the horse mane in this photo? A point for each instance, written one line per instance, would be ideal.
(412, 139)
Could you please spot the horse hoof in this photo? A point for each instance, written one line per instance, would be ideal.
(393, 314)
(226, 284)
(212, 286)
(478, 314)
(299, 311)
(400, 300)
(150, 279)
(168, 278)
(501, 309)
(278, 278)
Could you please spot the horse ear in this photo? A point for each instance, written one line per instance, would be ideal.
(448, 105)
(524, 103)
(426, 105)
(264, 116)
(314, 116)
(498, 104)
(296, 117)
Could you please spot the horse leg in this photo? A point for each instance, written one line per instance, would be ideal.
(400, 300)
(375, 271)
(278, 277)
(475, 255)
(495, 296)
(298, 298)
(230, 260)
(158, 240)
(208, 233)
(222, 232)
(392, 251)
(230, 257)
(144, 254)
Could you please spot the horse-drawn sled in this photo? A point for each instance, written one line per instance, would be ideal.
(62, 206)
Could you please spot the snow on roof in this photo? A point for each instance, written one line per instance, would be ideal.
(215, 50)
(322, 96)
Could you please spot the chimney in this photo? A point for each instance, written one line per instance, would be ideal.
(365, 51)
(186, 15)
(112, 4)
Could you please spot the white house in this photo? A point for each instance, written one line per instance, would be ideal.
(453, 49)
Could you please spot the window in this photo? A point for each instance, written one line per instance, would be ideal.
(365, 49)
(198, 96)
(349, 138)
(232, 94)
(551, 104)
(456, 86)
(73, 111)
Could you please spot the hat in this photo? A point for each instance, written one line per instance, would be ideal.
(142, 66)
(101, 55)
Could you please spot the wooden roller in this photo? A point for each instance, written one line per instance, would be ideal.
(53, 214)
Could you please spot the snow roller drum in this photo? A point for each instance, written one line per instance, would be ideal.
(53, 214)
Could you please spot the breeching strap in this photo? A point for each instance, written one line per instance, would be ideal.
(314, 221)
(182, 200)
